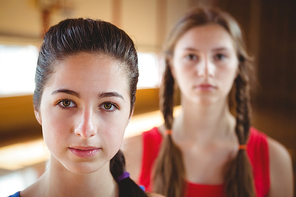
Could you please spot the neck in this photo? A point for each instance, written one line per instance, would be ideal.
(204, 122)
(58, 181)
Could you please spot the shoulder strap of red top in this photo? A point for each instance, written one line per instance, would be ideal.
(151, 145)
(257, 149)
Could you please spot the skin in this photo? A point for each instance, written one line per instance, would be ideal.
(82, 107)
(205, 65)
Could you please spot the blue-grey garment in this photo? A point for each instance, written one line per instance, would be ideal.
(17, 194)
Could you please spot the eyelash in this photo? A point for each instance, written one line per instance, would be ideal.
(61, 105)
(191, 57)
(220, 56)
(113, 106)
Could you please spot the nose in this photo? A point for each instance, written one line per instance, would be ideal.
(85, 127)
(206, 68)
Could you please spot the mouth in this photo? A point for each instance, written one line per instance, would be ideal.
(84, 151)
(205, 87)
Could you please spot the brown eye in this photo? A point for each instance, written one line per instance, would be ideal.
(107, 105)
(66, 103)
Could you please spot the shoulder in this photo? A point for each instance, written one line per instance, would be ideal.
(133, 143)
(279, 155)
(280, 158)
(258, 150)
(281, 172)
(258, 146)
(132, 150)
(137, 142)
(277, 150)
(33, 190)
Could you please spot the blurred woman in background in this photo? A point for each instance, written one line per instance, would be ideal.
(210, 148)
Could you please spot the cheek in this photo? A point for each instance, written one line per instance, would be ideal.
(54, 131)
(115, 127)
(177, 71)
(228, 75)
(113, 138)
(183, 77)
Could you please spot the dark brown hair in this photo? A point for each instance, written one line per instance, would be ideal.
(73, 36)
(238, 179)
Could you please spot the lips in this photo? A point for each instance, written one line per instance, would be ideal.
(84, 151)
(205, 87)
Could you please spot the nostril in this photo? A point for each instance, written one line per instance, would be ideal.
(85, 131)
(92, 134)
(85, 125)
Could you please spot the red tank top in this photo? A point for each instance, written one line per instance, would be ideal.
(257, 151)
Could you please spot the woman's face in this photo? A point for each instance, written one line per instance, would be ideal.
(84, 110)
(205, 64)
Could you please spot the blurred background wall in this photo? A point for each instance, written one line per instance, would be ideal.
(270, 32)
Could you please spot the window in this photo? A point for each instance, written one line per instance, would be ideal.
(18, 64)
(149, 70)
(17, 69)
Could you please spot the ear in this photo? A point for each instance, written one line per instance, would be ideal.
(38, 116)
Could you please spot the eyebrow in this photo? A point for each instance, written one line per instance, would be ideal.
(190, 49)
(66, 91)
(101, 95)
(110, 94)
(221, 49)
(215, 49)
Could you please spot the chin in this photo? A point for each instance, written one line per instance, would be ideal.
(83, 168)
(201, 100)
(204, 102)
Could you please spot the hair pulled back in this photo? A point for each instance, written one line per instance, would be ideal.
(238, 179)
(73, 36)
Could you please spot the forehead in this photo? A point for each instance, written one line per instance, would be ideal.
(205, 37)
(87, 71)
(83, 61)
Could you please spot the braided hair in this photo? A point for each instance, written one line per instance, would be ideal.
(239, 179)
(170, 157)
(127, 187)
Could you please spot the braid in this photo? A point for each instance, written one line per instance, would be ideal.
(169, 171)
(167, 95)
(127, 187)
(242, 98)
(239, 177)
